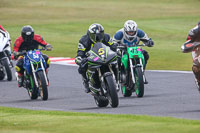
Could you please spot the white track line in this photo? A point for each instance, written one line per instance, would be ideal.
(71, 62)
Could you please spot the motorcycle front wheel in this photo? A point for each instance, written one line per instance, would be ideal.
(42, 85)
(2, 75)
(112, 92)
(7, 68)
(139, 82)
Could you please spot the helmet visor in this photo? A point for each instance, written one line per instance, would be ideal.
(131, 33)
(98, 37)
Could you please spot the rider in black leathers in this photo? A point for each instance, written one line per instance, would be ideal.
(94, 34)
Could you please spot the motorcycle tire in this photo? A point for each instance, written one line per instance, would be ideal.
(139, 82)
(125, 92)
(112, 92)
(101, 101)
(2, 75)
(42, 85)
(8, 70)
(33, 92)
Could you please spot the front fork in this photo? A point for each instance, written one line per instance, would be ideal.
(132, 72)
(115, 76)
(101, 77)
(34, 74)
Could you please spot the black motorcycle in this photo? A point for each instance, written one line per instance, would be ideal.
(101, 62)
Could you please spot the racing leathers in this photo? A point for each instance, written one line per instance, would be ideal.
(193, 45)
(121, 39)
(84, 45)
(21, 45)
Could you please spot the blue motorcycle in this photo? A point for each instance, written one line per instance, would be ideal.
(35, 76)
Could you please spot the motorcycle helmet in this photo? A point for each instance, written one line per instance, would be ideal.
(96, 32)
(27, 33)
(130, 29)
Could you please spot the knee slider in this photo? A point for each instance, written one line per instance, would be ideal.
(17, 69)
(48, 62)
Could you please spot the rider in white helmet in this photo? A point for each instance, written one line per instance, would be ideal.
(130, 35)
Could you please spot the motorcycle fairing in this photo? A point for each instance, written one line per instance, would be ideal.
(34, 57)
(100, 54)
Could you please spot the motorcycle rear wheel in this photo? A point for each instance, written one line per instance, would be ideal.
(101, 101)
(33, 93)
(126, 92)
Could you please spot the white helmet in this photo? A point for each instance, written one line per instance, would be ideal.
(130, 29)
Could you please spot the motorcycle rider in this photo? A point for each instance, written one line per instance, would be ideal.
(27, 41)
(7, 35)
(130, 35)
(193, 45)
(94, 34)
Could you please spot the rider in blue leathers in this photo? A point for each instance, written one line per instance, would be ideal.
(130, 35)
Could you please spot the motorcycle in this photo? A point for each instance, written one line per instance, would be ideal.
(35, 76)
(131, 73)
(5, 62)
(102, 81)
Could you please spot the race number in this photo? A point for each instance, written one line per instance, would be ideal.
(35, 55)
(101, 51)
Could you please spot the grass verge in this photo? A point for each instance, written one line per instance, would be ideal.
(14, 120)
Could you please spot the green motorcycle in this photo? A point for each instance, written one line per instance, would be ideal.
(131, 73)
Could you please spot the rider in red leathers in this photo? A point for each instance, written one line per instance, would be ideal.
(27, 41)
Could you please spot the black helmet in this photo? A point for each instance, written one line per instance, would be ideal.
(96, 32)
(27, 33)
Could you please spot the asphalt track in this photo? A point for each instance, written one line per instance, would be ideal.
(170, 94)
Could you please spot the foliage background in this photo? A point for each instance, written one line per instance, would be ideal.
(63, 22)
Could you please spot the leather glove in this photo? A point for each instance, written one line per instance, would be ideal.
(49, 47)
(78, 60)
(150, 43)
(15, 55)
(118, 51)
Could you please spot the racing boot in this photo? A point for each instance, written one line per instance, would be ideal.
(86, 85)
(145, 80)
(196, 72)
(20, 79)
(85, 82)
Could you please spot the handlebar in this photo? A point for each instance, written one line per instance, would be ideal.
(125, 46)
(141, 45)
(25, 51)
